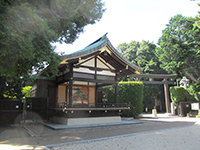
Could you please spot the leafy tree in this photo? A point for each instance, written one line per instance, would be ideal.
(143, 55)
(194, 91)
(179, 48)
(197, 20)
(11, 88)
(28, 27)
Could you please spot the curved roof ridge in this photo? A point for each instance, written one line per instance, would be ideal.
(98, 40)
(93, 47)
(122, 58)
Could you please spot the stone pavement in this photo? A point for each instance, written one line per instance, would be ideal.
(152, 133)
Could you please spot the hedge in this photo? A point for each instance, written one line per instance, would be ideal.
(178, 94)
(128, 92)
(193, 93)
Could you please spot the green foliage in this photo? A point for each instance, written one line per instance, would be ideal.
(143, 54)
(197, 20)
(196, 86)
(194, 91)
(197, 24)
(153, 92)
(132, 93)
(28, 27)
(109, 94)
(11, 88)
(179, 48)
(26, 91)
(178, 94)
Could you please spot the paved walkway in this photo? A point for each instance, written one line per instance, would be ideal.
(160, 132)
(167, 118)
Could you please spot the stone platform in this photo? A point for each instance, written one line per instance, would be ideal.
(57, 126)
(86, 120)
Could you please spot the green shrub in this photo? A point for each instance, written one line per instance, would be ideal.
(131, 93)
(128, 92)
(178, 94)
(109, 94)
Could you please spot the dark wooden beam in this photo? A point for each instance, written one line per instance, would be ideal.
(91, 109)
(93, 68)
(73, 61)
(96, 93)
(158, 76)
(166, 89)
(63, 78)
(104, 84)
(93, 80)
(83, 73)
(104, 64)
(70, 84)
(158, 82)
(116, 89)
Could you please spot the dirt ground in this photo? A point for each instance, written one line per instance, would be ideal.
(39, 135)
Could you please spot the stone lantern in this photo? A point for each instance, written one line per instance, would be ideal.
(184, 82)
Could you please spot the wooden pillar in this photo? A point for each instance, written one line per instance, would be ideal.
(95, 78)
(116, 89)
(95, 66)
(96, 94)
(66, 93)
(166, 90)
(70, 85)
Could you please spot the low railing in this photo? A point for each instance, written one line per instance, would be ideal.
(92, 105)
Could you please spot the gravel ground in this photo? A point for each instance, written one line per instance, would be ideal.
(179, 138)
(152, 133)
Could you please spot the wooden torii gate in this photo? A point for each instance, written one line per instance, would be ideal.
(165, 82)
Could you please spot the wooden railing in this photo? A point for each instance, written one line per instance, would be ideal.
(92, 105)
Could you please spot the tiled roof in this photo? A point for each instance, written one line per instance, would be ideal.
(95, 46)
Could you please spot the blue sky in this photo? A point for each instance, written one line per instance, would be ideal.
(132, 20)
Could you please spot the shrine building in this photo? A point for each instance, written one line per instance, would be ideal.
(75, 94)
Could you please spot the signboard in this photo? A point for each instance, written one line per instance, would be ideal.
(195, 106)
